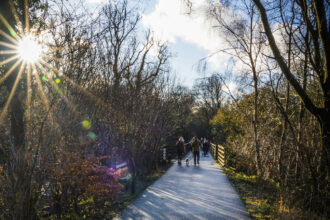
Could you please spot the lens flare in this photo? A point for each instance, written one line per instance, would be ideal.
(29, 49)
(92, 135)
(86, 124)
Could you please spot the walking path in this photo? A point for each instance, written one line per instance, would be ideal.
(194, 192)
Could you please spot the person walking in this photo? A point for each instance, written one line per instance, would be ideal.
(202, 144)
(180, 149)
(195, 148)
(204, 147)
(207, 146)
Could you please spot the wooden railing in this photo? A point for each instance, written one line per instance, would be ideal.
(218, 153)
(168, 154)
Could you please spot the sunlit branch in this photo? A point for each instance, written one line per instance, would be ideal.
(3, 113)
(10, 38)
(89, 94)
(71, 106)
(62, 48)
(9, 71)
(55, 86)
(52, 49)
(43, 96)
(60, 60)
(9, 60)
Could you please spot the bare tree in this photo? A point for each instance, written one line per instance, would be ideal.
(315, 21)
(209, 97)
(245, 44)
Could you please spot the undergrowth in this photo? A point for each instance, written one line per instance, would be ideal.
(264, 199)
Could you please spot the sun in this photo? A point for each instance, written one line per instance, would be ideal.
(26, 53)
(29, 50)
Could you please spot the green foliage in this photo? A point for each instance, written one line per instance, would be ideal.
(232, 127)
(209, 98)
(226, 124)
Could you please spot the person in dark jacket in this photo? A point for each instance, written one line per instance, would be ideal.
(180, 149)
(206, 147)
(195, 148)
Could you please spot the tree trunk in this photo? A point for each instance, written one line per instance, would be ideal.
(255, 125)
(300, 120)
(17, 122)
(323, 164)
(283, 166)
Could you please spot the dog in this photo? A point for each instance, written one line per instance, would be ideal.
(187, 161)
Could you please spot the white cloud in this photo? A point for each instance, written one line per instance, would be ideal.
(218, 61)
(170, 21)
(230, 88)
(96, 1)
(239, 67)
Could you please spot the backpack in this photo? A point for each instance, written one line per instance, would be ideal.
(180, 146)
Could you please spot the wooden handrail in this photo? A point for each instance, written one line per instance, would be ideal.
(218, 153)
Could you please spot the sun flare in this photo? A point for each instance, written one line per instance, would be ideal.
(29, 49)
(26, 53)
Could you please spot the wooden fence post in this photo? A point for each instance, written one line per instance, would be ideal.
(221, 157)
(216, 152)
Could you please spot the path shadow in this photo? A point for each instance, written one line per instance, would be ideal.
(194, 192)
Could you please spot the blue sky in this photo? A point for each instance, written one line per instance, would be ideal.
(190, 38)
(185, 61)
(185, 55)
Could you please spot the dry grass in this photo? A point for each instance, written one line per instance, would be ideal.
(263, 198)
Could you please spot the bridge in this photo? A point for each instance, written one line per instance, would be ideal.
(190, 192)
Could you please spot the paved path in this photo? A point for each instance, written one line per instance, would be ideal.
(194, 192)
